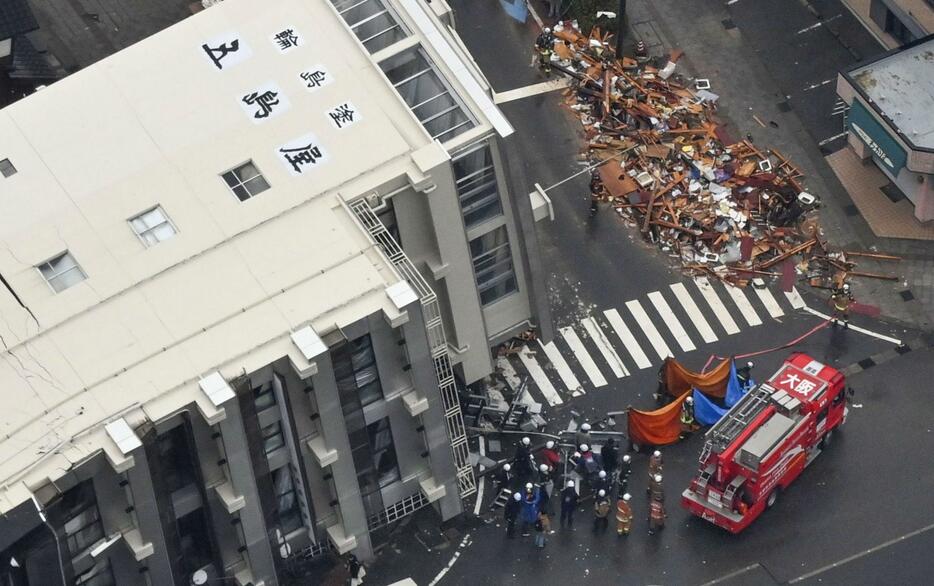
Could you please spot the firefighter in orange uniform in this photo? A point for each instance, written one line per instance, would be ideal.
(657, 516)
(623, 515)
(841, 300)
(655, 467)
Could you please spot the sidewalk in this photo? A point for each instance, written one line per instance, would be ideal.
(723, 55)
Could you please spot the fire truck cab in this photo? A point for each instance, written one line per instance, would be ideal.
(765, 441)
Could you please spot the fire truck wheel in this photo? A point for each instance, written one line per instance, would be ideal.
(828, 438)
(773, 497)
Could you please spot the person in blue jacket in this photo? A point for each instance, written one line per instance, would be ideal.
(530, 508)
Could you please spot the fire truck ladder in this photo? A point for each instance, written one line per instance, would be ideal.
(437, 341)
(736, 420)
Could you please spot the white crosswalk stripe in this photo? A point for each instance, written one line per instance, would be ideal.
(772, 306)
(583, 357)
(719, 310)
(510, 374)
(794, 298)
(745, 308)
(684, 298)
(538, 375)
(603, 345)
(561, 365)
(668, 316)
(629, 341)
(642, 318)
(572, 358)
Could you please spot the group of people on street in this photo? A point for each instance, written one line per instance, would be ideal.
(534, 483)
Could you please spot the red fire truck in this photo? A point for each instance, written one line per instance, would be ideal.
(764, 442)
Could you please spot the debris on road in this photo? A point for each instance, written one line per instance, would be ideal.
(663, 161)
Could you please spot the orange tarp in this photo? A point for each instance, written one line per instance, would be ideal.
(663, 426)
(658, 428)
(712, 383)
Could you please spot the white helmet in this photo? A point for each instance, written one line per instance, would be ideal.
(602, 474)
(543, 468)
(846, 286)
(570, 484)
(517, 497)
(526, 441)
(627, 458)
(750, 364)
(626, 497)
(547, 29)
(658, 478)
(689, 400)
(585, 427)
(507, 467)
(529, 486)
(576, 455)
(601, 493)
(550, 444)
(657, 454)
(585, 448)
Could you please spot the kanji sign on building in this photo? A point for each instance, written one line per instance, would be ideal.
(315, 77)
(343, 115)
(264, 102)
(287, 39)
(226, 50)
(302, 154)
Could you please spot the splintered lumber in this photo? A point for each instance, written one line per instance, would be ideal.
(875, 255)
(872, 275)
(788, 253)
(648, 216)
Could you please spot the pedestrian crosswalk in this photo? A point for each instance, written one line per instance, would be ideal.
(613, 343)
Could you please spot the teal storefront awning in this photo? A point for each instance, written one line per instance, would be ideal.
(884, 147)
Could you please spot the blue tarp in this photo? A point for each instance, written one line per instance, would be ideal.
(516, 9)
(706, 412)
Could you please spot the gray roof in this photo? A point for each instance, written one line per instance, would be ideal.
(16, 18)
(901, 85)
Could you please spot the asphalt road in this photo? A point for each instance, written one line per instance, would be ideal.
(804, 44)
(862, 493)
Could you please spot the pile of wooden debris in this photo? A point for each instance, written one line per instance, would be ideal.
(725, 208)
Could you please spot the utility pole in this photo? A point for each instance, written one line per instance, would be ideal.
(621, 28)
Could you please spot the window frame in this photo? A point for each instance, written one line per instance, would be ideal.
(243, 183)
(430, 68)
(478, 180)
(490, 256)
(140, 215)
(48, 280)
(9, 170)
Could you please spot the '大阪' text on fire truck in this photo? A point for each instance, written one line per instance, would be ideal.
(764, 442)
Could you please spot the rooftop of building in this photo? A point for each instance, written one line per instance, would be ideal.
(157, 124)
(900, 85)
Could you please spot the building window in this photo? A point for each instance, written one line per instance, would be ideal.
(153, 226)
(417, 80)
(492, 265)
(83, 529)
(194, 541)
(372, 22)
(272, 438)
(287, 508)
(6, 168)
(476, 185)
(245, 181)
(356, 372)
(62, 272)
(384, 452)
